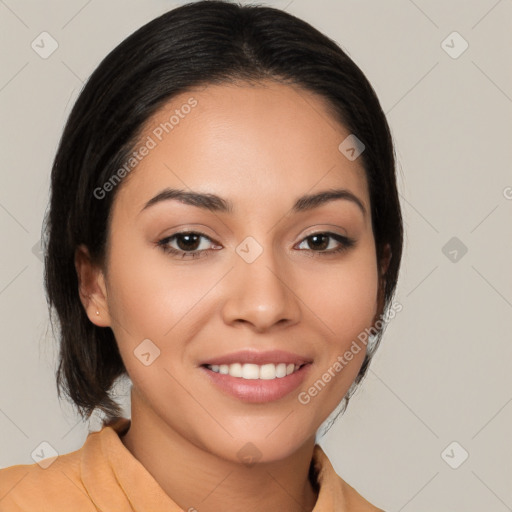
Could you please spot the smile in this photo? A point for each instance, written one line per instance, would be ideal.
(250, 371)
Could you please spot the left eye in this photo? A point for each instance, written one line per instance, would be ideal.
(326, 242)
(318, 242)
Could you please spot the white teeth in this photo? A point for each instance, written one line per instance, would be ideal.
(249, 371)
(268, 371)
(235, 370)
(281, 370)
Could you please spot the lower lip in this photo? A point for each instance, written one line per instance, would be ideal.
(258, 390)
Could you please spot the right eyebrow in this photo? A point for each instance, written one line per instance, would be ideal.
(210, 202)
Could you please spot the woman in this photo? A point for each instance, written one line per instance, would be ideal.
(224, 228)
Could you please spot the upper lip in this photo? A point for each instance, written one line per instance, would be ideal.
(255, 357)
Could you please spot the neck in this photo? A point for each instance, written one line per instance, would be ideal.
(196, 479)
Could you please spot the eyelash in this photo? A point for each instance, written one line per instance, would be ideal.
(345, 244)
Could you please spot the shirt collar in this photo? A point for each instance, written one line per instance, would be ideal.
(106, 464)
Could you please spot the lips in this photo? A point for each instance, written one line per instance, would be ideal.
(257, 377)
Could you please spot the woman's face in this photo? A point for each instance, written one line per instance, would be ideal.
(249, 280)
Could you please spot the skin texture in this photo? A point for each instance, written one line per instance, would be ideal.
(260, 146)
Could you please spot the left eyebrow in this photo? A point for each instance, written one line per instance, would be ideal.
(216, 203)
(308, 202)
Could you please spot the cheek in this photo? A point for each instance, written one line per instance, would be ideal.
(149, 294)
(346, 304)
(344, 297)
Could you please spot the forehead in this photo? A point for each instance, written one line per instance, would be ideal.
(252, 143)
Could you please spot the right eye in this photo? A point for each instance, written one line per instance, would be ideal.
(187, 244)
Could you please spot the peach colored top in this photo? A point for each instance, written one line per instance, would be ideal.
(104, 475)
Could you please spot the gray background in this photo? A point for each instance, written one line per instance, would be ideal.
(442, 373)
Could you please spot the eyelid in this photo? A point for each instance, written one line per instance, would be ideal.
(324, 228)
(198, 228)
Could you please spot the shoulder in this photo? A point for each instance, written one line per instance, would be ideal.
(47, 485)
(82, 481)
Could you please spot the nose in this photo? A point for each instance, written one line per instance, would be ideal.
(260, 294)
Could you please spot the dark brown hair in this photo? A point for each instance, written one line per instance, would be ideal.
(199, 43)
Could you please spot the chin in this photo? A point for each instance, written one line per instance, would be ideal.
(270, 441)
